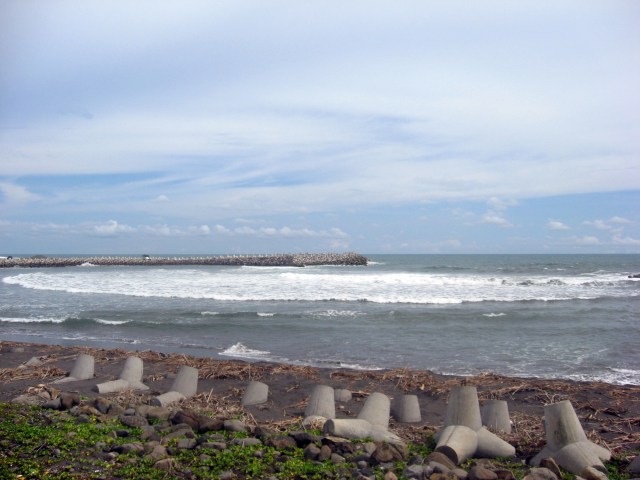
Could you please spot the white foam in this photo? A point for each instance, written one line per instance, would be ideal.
(261, 314)
(209, 313)
(87, 264)
(111, 322)
(493, 315)
(322, 284)
(242, 351)
(32, 320)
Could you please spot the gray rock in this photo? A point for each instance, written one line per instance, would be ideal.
(342, 395)
(133, 421)
(325, 453)
(102, 405)
(187, 443)
(442, 459)
(166, 464)
(413, 471)
(481, 473)
(235, 426)
(540, 474)
(634, 466)
(246, 442)
(52, 404)
(386, 452)
(551, 464)
(311, 452)
(337, 459)
(69, 400)
(304, 438)
(27, 399)
(133, 447)
(282, 442)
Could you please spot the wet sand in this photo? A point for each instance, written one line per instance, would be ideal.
(610, 414)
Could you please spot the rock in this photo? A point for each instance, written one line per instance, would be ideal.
(246, 442)
(158, 452)
(634, 466)
(540, 473)
(439, 468)
(442, 459)
(166, 464)
(481, 473)
(133, 421)
(102, 405)
(504, 474)
(282, 442)
(158, 413)
(337, 459)
(463, 475)
(339, 445)
(413, 471)
(52, 404)
(133, 447)
(311, 452)
(314, 422)
(386, 452)
(325, 453)
(235, 426)
(228, 475)
(183, 432)
(208, 424)
(69, 400)
(443, 476)
(551, 464)
(27, 399)
(186, 443)
(183, 416)
(304, 438)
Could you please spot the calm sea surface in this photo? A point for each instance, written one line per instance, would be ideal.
(556, 316)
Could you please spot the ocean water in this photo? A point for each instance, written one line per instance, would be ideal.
(552, 316)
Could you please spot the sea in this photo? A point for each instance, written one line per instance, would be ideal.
(548, 316)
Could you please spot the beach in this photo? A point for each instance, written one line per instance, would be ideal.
(610, 414)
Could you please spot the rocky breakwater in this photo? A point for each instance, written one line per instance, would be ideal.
(276, 260)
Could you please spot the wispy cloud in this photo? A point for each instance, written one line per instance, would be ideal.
(557, 225)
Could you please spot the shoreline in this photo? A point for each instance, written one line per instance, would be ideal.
(278, 260)
(609, 413)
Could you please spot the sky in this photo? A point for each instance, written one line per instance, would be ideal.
(213, 127)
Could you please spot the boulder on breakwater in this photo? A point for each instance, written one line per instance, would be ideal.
(276, 260)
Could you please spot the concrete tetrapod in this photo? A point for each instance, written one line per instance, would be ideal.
(376, 410)
(321, 403)
(255, 393)
(185, 385)
(463, 435)
(83, 369)
(355, 428)
(372, 422)
(567, 443)
(406, 409)
(495, 415)
(130, 378)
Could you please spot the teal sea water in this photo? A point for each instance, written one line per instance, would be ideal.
(554, 316)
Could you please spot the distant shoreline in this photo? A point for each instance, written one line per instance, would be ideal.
(281, 260)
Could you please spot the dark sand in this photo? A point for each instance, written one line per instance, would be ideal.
(610, 414)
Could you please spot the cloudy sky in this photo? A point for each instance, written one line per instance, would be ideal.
(380, 127)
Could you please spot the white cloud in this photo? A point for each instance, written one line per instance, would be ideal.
(111, 228)
(620, 220)
(598, 224)
(619, 240)
(556, 225)
(496, 218)
(587, 240)
(17, 194)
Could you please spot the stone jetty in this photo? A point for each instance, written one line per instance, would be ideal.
(276, 260)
